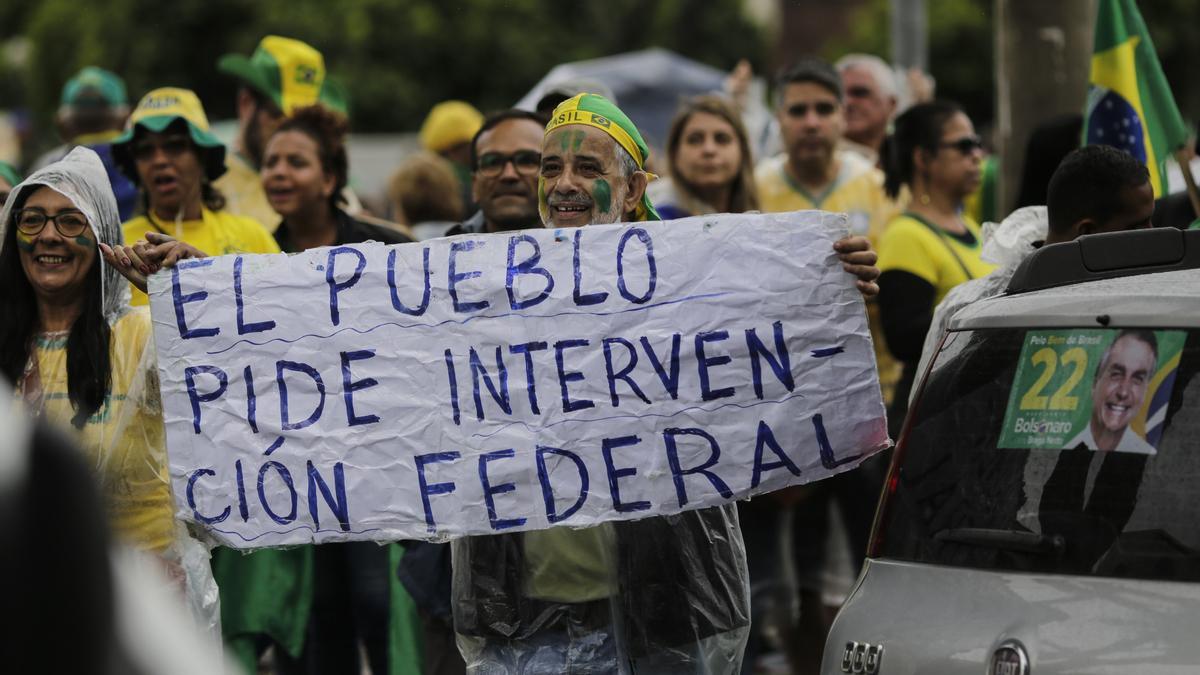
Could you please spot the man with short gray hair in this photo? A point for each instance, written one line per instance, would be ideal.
(870, 100)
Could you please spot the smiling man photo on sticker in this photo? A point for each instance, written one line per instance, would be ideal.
(1118, 392)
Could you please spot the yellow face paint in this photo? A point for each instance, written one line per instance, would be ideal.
(543, 207)
(24, 242)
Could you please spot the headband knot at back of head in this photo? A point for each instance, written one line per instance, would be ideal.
(600, 113)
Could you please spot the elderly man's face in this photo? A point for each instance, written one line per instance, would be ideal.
(868, 109)
(504, 184)
(1120, 386)
(581, 179)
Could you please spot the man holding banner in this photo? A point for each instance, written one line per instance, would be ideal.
(627, 380)
(662, 594)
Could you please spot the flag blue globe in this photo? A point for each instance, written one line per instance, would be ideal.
(1113, 121)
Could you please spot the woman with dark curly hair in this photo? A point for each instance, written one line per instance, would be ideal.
(355, 596)
(304, 171)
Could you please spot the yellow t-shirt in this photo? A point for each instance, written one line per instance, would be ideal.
(909, 245)
(124, 440)
(857, 192)
(216, 233)
(244, 194)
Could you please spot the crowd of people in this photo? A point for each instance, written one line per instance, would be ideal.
(134, 191)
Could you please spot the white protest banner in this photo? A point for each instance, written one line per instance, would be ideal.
(488, 383)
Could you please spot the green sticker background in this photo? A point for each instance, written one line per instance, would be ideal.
(1052, 428)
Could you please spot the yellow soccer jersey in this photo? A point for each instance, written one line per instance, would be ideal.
(857, 191)
(124, 440)
(942, 259)
(216, 233)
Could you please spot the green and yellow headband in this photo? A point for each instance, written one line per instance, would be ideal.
(596, 111)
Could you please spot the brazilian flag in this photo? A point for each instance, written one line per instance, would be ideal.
(1129, 104)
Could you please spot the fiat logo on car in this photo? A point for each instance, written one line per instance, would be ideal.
(1009, 659)
(860, 657)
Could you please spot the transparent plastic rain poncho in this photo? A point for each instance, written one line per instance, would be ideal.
(666, 594)
(124, 440)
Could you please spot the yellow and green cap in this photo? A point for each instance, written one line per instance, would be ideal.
(595, 111)
(160, 109)
(289, 72)
(92, 86)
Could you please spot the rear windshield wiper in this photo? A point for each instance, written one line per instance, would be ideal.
(1012, 540)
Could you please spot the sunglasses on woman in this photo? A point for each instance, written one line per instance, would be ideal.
(965, 145)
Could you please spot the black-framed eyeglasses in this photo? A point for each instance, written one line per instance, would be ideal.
(525, 162)
(965, 145)
(174, 146)
(68, 223)
(822, 108)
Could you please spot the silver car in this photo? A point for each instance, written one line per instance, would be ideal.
(1042, 510)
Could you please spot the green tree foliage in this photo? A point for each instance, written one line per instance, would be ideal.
(1175, 28)
(961, 53)
(396, 58)
(960, 48)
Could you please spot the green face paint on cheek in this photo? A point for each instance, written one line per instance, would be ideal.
(603, 195)
(83, 241)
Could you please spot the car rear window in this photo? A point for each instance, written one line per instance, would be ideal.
(996, 470)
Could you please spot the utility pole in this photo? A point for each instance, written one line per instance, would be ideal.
(1043, 57)
(910, 35)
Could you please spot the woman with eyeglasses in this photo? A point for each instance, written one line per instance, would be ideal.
(80, 356)
(933, 246)
(711, 167)
(173, 158)
(304, 171)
